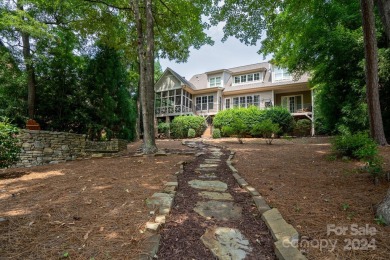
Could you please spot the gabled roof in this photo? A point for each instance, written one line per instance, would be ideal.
(176, 75)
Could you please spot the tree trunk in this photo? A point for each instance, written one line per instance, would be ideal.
(28, 62)
(372, 81)
(384, 12)
(146, 60)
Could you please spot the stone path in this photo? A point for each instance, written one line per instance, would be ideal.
(208, 211)
(224, 242)
(210, 199)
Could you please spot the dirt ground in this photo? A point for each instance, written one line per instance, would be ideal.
(94, 209)
(313, 191)
(87, 209)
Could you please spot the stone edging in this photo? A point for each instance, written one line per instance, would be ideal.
(160, 205)
(284, 234)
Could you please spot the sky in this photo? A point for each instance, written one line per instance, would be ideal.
(231, 53)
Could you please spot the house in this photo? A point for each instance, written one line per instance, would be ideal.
(261, 84)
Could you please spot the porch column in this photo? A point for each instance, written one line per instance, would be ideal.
(181, 101)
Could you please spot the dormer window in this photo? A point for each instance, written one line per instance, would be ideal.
(281, 74)
(215, 82)
(247, 78)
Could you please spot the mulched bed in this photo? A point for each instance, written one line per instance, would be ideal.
(181, 234)
(312, 190)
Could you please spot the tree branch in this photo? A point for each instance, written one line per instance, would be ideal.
(169, 9)
(109, 5)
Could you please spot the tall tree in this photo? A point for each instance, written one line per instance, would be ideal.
(384, 12)
(145, 46)
(372, 81)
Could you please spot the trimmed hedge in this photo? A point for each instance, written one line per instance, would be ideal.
(181, 124)
(252, 116)
(249, 116)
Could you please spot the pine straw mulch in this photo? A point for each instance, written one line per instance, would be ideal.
(180, 237)
(312, 191)
(87, 209)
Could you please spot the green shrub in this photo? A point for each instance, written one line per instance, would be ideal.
(236, 128)
(9, 148)
(266, 129)
(191, 133)
(216, 133)
(181, 124)
(163, 128)
(302, 127)
(249, 116)
(282, 117)
(359, 146)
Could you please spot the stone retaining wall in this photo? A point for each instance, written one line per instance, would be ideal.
(113, 146)
(45, 147)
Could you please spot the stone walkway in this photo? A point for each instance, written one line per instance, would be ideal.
(209, 195)
(223, 242)
(208, 211)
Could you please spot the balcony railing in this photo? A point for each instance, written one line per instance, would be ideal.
(305, 108)
(176, 109)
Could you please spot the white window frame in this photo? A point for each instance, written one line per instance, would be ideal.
(243, 79)
(204, 103)
(245, 104)
(285, 75)
(213, 82)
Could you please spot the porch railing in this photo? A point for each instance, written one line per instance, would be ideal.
(176, 109)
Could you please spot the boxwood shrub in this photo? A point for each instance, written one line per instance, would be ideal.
(181, 124)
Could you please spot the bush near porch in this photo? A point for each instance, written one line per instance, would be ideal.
(253, 116)
(181, 124)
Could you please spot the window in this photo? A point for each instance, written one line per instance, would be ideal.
(227, 103)
(242, 79)
(292, 103)
(249, 101)
(211, 102)
(204, 103)
(215, 82)
(236, 102)
(256, 100)
(281, 74)
(237, 80)
(244, 101)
